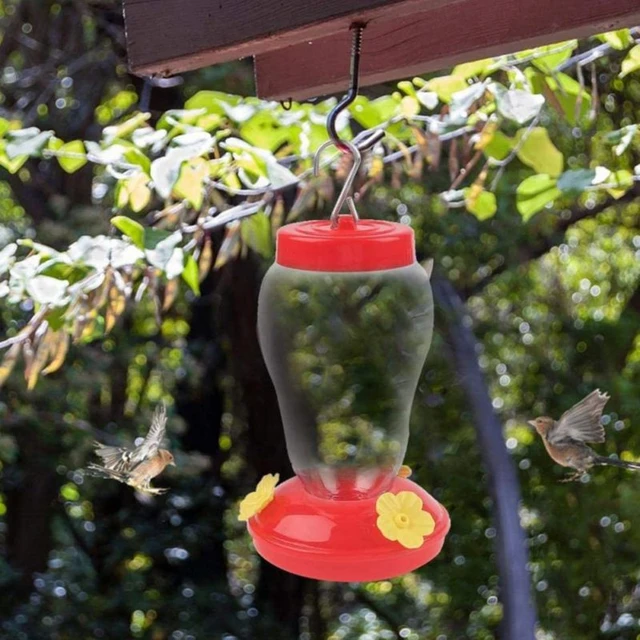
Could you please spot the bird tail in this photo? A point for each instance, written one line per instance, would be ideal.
(96, 471)
(615, 462)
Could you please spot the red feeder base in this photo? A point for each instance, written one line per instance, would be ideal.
(338, 540)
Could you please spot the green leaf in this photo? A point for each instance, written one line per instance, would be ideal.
(165, 171)
(539, 153)
(620, 39)
(409, 106)
(125, 128)
(54, 143)
(472, 69)
(516, 104)
(190, 274)
(407, 87)
(574, 182)
(131, 229)
(72, 164)
(190, 182)
(483, 205)
(26, 142)
(446, 86)
(499, 146)
(567, 92)
(153, 237)
(256, 234)
(4, 126)
(177, 117)
(548, 63)
(11, 165)
(534, 193)
(631, 62)
(364, 113)
(139, 192)
(624, 180)
(55, 318)
(134, 192)
(211, 102)
(263, 130)
(135, 156)
(209, 122)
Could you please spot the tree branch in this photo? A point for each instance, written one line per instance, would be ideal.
(512, 557)
(537, 249)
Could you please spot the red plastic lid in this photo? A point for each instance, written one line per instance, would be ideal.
(369, 245)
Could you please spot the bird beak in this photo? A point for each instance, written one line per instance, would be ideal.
(531, 423)
(173, 464)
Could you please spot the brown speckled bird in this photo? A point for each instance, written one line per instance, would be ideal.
(136, 466)
(565, 439)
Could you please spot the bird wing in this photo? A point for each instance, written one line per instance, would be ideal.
(116, 459)
(582, 422)
(151, 443)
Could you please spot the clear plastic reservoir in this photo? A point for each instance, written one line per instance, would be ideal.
(345, 350)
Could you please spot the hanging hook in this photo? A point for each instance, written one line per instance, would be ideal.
(348, 183)
(356, 50)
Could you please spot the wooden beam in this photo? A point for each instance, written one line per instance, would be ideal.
(170, 36)
(405, 46)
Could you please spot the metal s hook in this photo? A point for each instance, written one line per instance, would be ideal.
(348, 183)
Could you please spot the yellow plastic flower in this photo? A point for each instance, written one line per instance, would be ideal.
(257, 500)
(402, 518)
(404, 471)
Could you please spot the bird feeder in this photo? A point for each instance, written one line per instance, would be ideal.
(345, 319)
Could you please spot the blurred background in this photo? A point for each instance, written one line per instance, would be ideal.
(529, 319)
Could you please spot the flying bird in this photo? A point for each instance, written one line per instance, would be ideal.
(566, 439)
(136, 466)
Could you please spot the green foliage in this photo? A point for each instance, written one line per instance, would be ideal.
(222, 145)
(488, 162)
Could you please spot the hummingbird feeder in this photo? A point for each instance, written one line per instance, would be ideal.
(345, 320)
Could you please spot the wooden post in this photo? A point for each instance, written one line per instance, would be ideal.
(431, 40)
(170, 36)
(302, 46)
